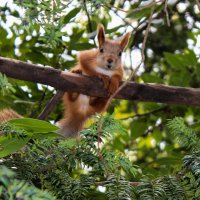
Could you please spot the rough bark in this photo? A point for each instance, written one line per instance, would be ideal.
(94, 87)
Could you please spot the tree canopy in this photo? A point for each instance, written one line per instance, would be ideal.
(148, 150)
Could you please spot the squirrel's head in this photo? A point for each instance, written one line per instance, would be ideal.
(110, 51)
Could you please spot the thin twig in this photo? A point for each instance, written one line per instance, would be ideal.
(146, 114)
(42, 98)
(116, 8)
(89, 20)
(132, 76)
(102, 183)
(150, 5)
(99, 141)
(54, 5)
(123, 19)
(167, 14)
(88, 16)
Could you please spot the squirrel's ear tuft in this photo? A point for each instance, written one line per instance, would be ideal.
(125, 40)
(101, 35)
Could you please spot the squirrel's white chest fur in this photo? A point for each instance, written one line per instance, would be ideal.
(100, 70)
(84, 99)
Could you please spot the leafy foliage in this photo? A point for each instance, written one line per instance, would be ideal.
(148, 190)
(118, 188)
(192, 164)
(11, 188)
(5, 86)
(185, 135)
(72, 169)
(17, 132)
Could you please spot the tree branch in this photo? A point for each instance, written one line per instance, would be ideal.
(50, 105)
(94, 87)
(102, 183)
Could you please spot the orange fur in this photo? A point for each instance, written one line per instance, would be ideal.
(105, 63)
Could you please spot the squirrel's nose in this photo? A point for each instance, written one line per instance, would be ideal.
(109, 60)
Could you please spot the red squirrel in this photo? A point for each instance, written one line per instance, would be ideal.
(104, 63)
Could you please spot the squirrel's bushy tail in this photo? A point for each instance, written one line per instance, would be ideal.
(7, 114)
(71, 126)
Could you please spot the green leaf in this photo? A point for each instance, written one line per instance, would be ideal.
(138, 128)
(36, 57)
(144, 11)
(149, 78)
(180, 78)
(42, 49)
(189, 58)
(157, 135)
(10, 145)
(68, 64)
(174, 60)
(45, 135)
(70, 143)
(169, 160)
(117, 144)
(139, 14)
(70, 15)
(197, 71)
(81, 46)
(114, 30)
(3, 34)
(32, 128)
(75, 37)
(179, 61)
(33, 125)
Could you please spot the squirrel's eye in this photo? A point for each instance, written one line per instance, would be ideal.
(101, 50)
(120, 53)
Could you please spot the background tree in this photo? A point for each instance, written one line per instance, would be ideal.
(144, 156)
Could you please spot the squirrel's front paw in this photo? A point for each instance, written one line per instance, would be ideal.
(112, 88)
(105, 79)
(72, 96)
(77, 71)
